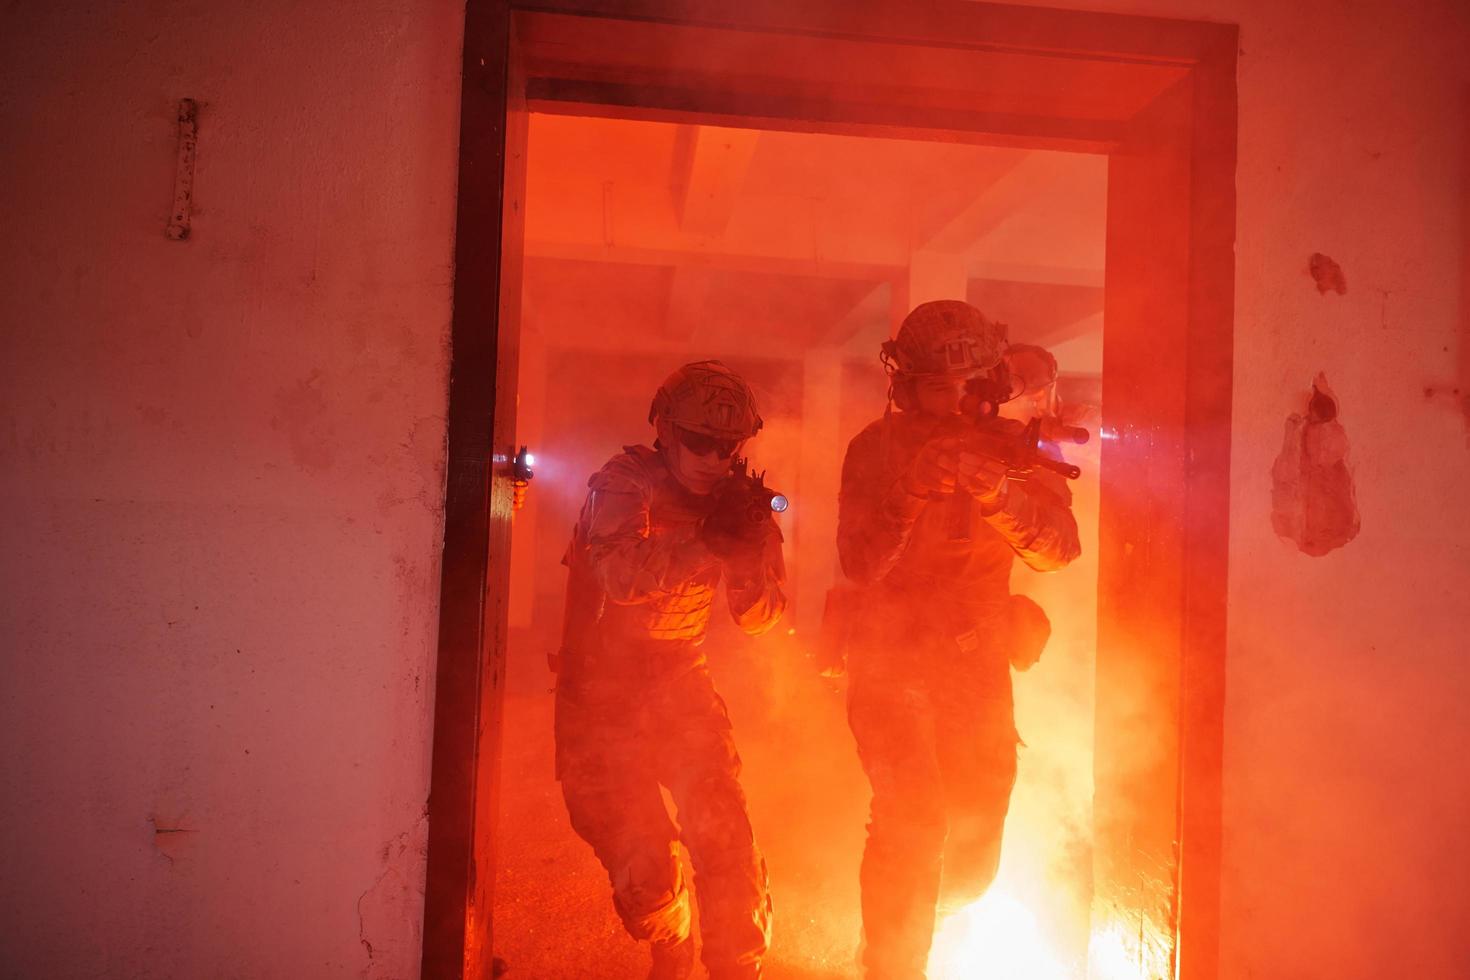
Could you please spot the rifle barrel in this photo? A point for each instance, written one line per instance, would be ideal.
(1054, 430)
(1057, 466)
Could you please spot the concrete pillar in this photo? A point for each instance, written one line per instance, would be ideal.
(814, 568)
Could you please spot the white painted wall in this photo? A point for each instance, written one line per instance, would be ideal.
(1346, 804)
(221, 473)
(221, 468)
(1346, 729)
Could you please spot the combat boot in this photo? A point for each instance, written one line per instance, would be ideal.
(672, 961)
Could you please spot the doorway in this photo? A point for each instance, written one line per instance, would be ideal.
(1155, 100)
(790, 256)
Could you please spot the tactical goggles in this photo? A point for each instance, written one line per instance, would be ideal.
(703, 445)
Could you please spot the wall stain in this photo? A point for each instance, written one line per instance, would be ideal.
(1313, 499)
(169, 836)
(1327, 274)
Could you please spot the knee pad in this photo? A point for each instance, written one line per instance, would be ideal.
(650, 896)
(667, 924)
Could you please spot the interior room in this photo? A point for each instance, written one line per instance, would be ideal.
(791, 257)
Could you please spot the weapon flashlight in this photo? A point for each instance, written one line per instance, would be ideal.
(521, 475)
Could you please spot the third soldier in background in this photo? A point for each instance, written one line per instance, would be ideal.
(929, 523)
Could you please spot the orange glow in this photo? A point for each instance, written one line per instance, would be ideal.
(998, 938)
(1113, 957)
(787, 254)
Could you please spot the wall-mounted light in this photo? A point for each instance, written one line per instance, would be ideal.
(521, 476)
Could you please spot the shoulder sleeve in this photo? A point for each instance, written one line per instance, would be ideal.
(629, 562)
(875, 514)
(1036, 521)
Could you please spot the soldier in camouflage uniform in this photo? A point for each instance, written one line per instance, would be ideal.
(928, 529)
(635, 705)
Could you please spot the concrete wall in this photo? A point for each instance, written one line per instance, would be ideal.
(1345, 804)
(1344, 811)
(220, 463)
(221, 470)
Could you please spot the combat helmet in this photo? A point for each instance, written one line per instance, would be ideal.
(709, 398)
(944, 337)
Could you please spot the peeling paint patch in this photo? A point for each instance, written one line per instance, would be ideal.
(169, 836)
(178, 222)
(1327, 273)
(390, 910)
(1313, 501)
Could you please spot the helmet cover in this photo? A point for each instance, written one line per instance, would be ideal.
(707, 397)
(1034, 367)
(945, 337)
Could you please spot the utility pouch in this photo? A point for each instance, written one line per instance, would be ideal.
(1029, 631)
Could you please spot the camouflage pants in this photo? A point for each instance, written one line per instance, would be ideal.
(617, 742)
(940, 753)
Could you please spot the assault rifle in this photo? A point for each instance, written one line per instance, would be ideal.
(743, 500)
(1020, 451)
(742, 505)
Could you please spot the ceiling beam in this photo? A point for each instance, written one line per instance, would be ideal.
(818, 114)
(707, 175)
(672, 254)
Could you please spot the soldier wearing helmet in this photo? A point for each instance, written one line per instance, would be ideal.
(1033, 371)
(635, 706)
(928, 528)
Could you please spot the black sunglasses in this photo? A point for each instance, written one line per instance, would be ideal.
(702, 445)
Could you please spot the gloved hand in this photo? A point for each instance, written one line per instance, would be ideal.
(981, 476)
(752, 556)
(737, 540)
(936, 468)
(740, 520)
